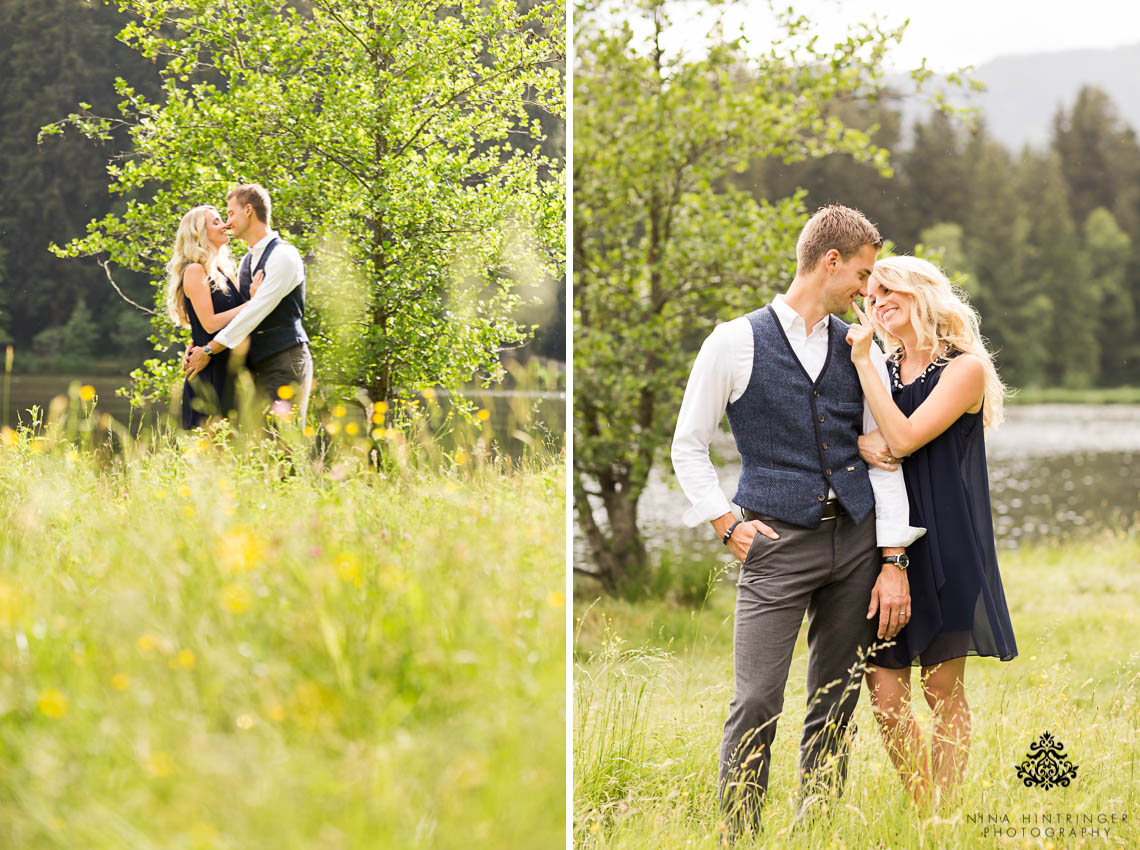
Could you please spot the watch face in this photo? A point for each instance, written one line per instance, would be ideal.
(903, 561)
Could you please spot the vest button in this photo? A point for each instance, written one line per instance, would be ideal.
(821, 417)
(827, 472)
(816, 393)
(822, 497)
(825, 446)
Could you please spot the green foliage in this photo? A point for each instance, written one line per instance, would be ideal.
(664, 244)
(396, 145)
(1104, 263)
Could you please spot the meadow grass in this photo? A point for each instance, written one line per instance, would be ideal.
(217, 642)
(653, 681)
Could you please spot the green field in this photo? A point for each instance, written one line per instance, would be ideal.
(204, 644)
(653, 682)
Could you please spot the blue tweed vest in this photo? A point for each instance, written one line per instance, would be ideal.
(282, 328)
(797, 436)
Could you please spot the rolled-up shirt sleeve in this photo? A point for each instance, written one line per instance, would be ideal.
(892, 508)
(706, 396)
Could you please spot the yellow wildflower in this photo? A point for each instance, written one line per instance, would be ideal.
(185, 658)
(483, 415)
(52, 703)
(339, 411)
(428, 393)
(236, 598)
(239, 550)
(555, 599)
(8, 437)
(352, 429)
(87, 392)
(245, 721)
(347, 567)
(378, 433)
(461, 456)
(120, 681)
(159, 764)
(285, 392)
(146, 643)
(333, 428)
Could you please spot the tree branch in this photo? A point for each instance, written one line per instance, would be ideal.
(106, 264)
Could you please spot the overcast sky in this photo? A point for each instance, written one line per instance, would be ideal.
(953, 33)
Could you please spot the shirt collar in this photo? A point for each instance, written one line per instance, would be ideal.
(261, 244)
(790, 320)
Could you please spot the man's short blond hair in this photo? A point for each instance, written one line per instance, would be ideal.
(255, 196)
(834, 226)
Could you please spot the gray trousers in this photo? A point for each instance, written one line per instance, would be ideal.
(827, 572)
(291, 367)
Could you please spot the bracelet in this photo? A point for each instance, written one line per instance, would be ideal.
(728, 534)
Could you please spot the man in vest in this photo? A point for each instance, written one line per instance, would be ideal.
(820, 534)
(279, 347)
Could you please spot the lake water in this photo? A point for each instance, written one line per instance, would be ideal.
(1056, 471)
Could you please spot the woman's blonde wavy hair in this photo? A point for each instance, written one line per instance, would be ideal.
(193, 245)
(943, 320)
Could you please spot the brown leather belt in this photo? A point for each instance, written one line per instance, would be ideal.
(831, 509)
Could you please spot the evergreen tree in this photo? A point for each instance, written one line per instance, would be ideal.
(1053, 270)
(54, 53)
(934, 180)
(1107, 250)
(1015, 315)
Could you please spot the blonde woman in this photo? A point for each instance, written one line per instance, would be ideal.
(945, 391)
(202, 295)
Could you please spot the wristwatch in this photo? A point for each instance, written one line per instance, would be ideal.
(900, 561)
(209, 352)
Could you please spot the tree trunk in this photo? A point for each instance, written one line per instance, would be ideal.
(618, 551)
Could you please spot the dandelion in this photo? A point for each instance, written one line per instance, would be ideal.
(333, 428)
(52, 703)
(378, 418)
(555, 599)
(461, 457)
(188, 511)
(8, 437)
(483, 415)
(339, 411)
(377, 433)
(236, 598)
(185, 658)
(147, 643)
(285, 393)
(184, 492)
(428, 393)
(120, 681)
(87, 392)
(352, 429)
(310, 431)
(381, 407)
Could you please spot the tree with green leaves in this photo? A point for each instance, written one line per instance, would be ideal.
(396, 145)
(663, 245)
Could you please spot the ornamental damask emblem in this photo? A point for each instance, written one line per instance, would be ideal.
(1046, 764)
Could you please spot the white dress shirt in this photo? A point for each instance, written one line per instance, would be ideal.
(284, 271)
(721, 374)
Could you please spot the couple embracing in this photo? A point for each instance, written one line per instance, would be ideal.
(894, 567)
(255, 319)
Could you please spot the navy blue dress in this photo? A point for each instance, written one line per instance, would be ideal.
(211, 393)
(958, 605)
